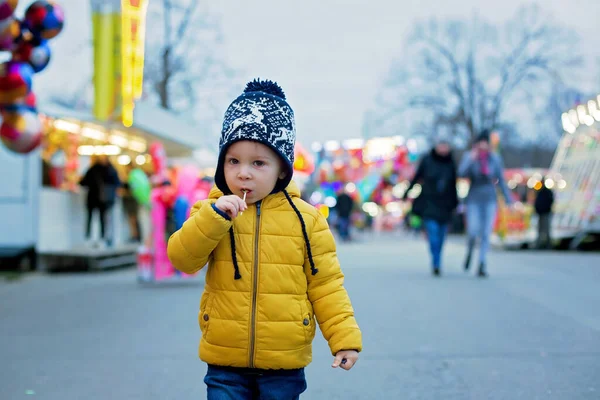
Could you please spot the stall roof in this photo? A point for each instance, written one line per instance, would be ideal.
(179, 136)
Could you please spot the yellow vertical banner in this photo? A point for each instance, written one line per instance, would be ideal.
(132, 45)
(117, 66)
(104, 83)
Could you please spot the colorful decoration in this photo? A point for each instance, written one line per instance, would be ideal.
(187, 180)
(10, 30)
(44, 19)
(15, 81)
(7, 8)
(132, 49)
(140, 186)
(25, 103)
(153, 263)
(21, 132)
(36, 54)
(159, 160)
(27, 40)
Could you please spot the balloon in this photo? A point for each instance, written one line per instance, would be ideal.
(187, 180)
(21, 132)
(10, 30)
(140, 186)
(36, 54)
(15, 81)
(44, 19)
(180, 211)
(7, 8)
(159, 158)
(28, 103)
(201, 192)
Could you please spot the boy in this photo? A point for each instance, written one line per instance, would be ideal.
(271, 261)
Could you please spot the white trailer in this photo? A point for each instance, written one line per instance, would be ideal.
(576, 171)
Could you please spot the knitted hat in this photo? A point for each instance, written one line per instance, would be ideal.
(484, 136)
(442, 138)
(260, 114)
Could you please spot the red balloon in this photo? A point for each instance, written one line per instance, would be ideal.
(21, 131)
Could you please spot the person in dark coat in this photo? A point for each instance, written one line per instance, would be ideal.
(102, 181)
(438, 198)
(343, 207)
(543, 208)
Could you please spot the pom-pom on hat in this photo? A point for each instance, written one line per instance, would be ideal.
(261, 114)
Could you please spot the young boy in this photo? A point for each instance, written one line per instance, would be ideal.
(272, 264)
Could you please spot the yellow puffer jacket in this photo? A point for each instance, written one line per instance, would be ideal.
(265, 318)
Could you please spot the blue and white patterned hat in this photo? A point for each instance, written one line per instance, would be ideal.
(260, 114)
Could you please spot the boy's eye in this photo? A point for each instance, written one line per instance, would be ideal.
(259, 163)
(233, 161)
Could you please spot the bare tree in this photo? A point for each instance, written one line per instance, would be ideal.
(472, 75)
(184, 65)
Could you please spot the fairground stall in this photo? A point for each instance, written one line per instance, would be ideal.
(375, 172)
(516, 226)
(575, 173)
(55, 215)
(25, 50)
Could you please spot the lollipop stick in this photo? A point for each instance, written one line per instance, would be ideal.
(244, 199)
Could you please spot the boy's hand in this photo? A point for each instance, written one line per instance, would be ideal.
(232, 205)
(345, 359)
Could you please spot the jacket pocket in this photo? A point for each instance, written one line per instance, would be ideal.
(308, 320)
(205, 313)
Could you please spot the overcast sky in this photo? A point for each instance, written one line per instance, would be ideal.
(329, 56)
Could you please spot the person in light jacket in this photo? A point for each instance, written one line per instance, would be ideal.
(484, 169)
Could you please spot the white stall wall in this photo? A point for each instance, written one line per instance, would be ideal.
(63, 218)
(20, 182)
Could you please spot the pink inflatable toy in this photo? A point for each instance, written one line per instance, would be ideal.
(153, 262)
(187, 180)
(159, 161)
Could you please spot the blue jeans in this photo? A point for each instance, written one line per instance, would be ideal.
(226, 383)
(344, 227)
(436, 234)
(480, 223)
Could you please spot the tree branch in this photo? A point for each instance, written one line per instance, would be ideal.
(185, 21)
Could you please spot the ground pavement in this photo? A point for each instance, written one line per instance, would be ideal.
(530, 331)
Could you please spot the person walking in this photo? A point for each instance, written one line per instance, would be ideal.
(543, 208)
(438, 199)
(344, 206)
(484, 169)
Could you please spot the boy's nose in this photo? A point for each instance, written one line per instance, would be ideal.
(244, 173)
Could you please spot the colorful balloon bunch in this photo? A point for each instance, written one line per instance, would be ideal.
(27, 41)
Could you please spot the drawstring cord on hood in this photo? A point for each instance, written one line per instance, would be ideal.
(313, 269)
(308, 248)
(236, 274)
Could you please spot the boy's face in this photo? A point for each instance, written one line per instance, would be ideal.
(252, 167)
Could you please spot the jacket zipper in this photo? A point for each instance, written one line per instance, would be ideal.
(254, 287)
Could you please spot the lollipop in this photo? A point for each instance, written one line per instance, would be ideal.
(244, 199)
